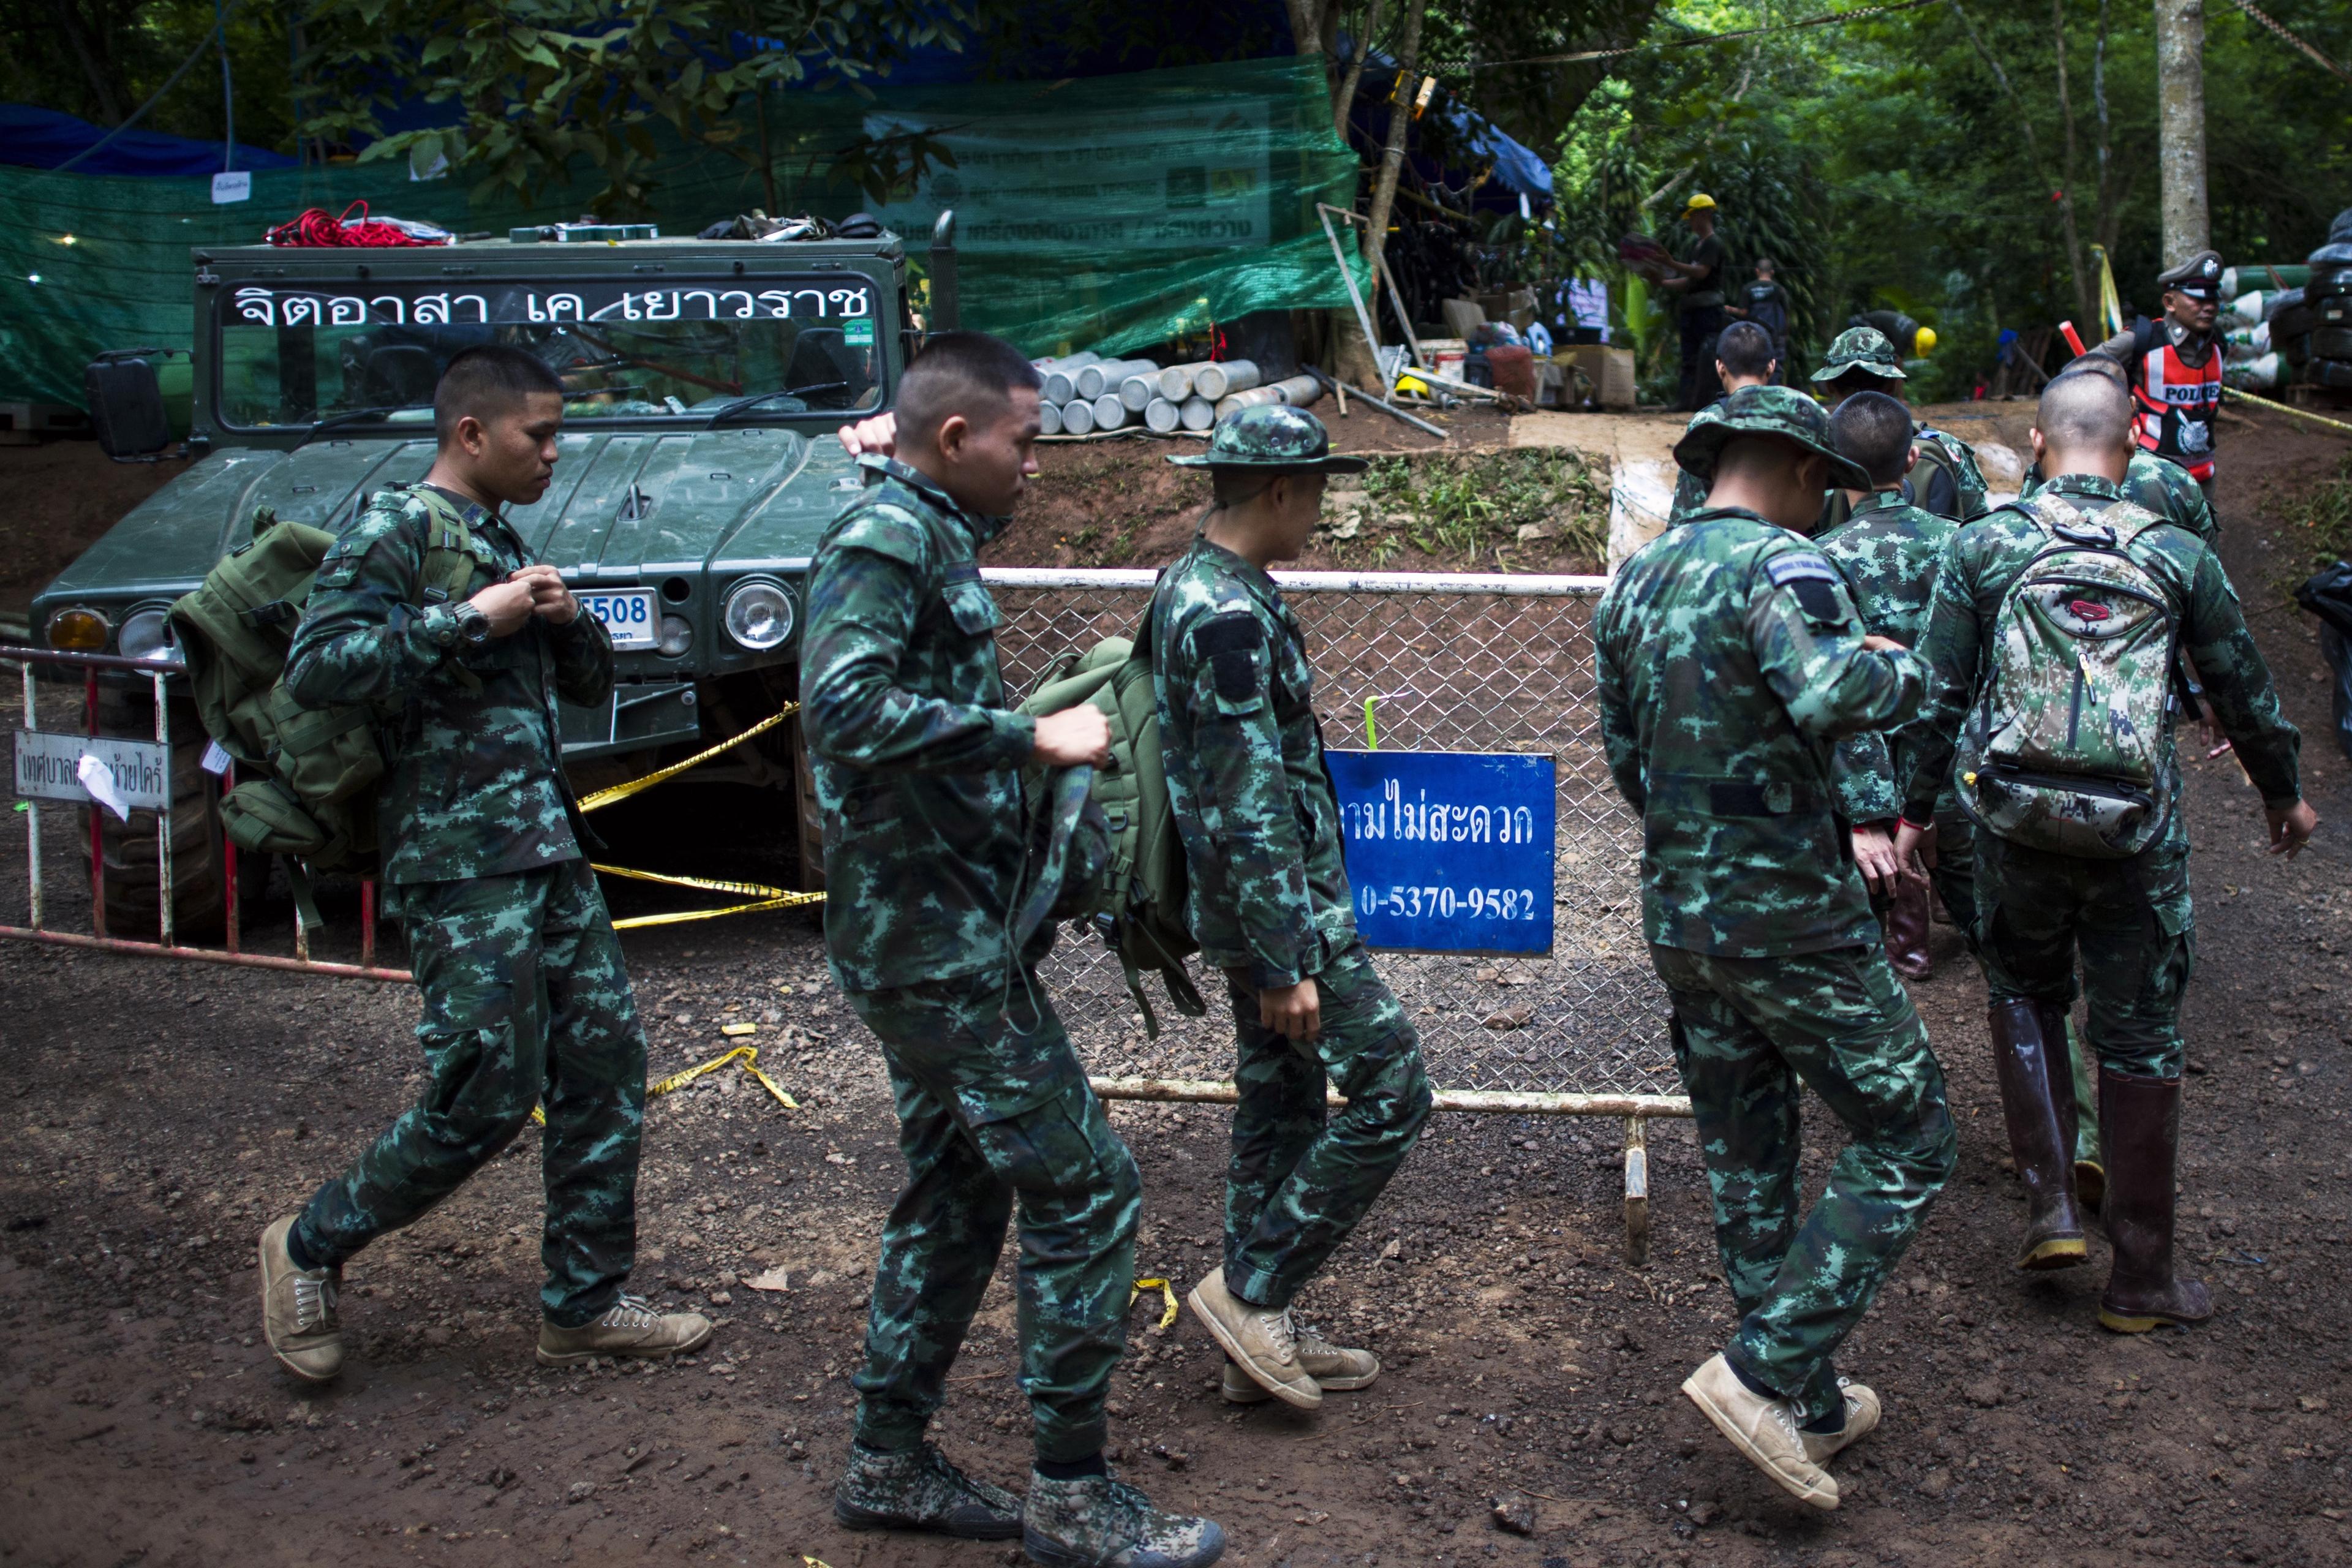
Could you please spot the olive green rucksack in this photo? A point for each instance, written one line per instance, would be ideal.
(2069, 748)
(316, 800)
(1133, 897)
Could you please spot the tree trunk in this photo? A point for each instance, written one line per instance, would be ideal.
(2086, 306)
(1306, 24)
(2180, 126)
(2106, 222)
(69, 23)
(1344, 99)
(1400, 125)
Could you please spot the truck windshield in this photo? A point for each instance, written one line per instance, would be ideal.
(293, 353)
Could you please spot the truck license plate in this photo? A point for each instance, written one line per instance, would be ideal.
(628, 614)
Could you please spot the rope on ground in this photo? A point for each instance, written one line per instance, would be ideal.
(2291, 40)
(748, 1055)
(1167, 1295)
(2284, 408)
(620, 791)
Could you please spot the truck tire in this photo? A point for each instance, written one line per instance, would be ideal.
(127, 848)
(812, 828)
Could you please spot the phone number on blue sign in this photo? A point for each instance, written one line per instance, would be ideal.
(1478, 903)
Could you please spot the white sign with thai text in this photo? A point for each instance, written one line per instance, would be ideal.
(48, 767)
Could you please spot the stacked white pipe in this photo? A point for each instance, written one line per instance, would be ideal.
(1298, 390)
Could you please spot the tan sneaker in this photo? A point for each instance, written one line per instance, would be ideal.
(1336, 1370)
(298, 1309)
(1260, 1341)
(631, 1328)
(1765, 1430)
(1861, 1420)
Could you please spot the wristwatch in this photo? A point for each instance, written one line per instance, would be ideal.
(473, 626)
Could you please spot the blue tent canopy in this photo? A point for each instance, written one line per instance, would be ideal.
(1517, 171)
(43, 138)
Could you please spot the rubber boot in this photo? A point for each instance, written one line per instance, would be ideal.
(1906, 929)
(2037, 1139)
(2074, 1082)
(2140, 1125)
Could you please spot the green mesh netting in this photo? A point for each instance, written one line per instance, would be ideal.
(1106, 213)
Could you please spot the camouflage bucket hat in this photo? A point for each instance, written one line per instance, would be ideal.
(1767, 411)
(1272, 435)
(1862, 348)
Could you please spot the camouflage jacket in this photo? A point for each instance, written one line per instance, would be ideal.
(476, 785)
(1268, 887)
(1984, 560)
(1730, 660)
(1887, 553)
(915, 757)
(2160, 485)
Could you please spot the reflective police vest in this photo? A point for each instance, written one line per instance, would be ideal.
(2177, 401)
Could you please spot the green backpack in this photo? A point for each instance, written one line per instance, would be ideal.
(316, 801)
(1133, 897)
(2070, 745)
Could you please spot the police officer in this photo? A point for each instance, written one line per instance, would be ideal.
(1267, 900)
(1730, 662)
(918, 765)
(1887, 550)
(525, 998)
(2129, 917)
(2175, 366)
(1947, 481)
(1744, 356)
(1697, 284)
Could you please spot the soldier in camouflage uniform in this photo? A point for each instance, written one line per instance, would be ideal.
(1948, 480)
(2130, 917)
(1267, 900)
(1744, 356)
(526, 997)
(918, 763)
(1887, 550)
(2160, 484)
(1730, 663)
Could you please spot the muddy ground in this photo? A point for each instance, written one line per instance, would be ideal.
(158, 1116)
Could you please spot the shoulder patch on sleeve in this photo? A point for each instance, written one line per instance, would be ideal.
(1231, 643)
(1798, 566)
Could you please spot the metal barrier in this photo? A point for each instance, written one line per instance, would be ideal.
(1488, 663)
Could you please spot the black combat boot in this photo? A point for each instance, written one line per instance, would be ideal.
(2139, 1123)
(2090, 1176)
(1906, 923)
(2033, 1088)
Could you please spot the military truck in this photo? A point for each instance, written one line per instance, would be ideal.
(705, 380)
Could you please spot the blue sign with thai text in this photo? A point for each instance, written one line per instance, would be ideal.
(1449, 851)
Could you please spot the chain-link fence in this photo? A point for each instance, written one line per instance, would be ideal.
(1456, 663)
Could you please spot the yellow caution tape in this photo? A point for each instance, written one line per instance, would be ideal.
(1167, 1294)
(2283, 408)
(763, 897)
(748, 1055)
(619, 792)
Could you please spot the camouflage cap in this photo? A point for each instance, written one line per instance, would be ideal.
(1862, 348)
(1767, 411)
(1272, 435)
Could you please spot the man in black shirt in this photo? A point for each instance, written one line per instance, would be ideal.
(1765, 303)
(1699, 282)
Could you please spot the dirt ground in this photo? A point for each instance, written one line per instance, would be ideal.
(159, 1116)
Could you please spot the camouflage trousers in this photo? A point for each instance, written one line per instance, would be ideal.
(1747, 1033)
(996, 1119)
(526, 1002)
(1298, 1182)
(1954, 874)
(2129, 919)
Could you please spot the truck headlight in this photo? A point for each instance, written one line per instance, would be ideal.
(78, 630)
(147, 634)
(759, 614)
(677, 636)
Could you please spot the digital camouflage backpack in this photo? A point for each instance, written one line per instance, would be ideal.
(315, 796)
(1133, 897)
(2069, 746)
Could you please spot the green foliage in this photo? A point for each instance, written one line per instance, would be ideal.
(2320, 518)
(1468, 508)
(100, 59)
(1885, 164)
(543, 85)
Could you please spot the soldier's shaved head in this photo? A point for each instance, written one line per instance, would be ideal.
(486, 382)
(2083, 411)
(970, 373)
(1875, 430)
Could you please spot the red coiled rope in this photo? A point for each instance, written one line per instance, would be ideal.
(315, 227)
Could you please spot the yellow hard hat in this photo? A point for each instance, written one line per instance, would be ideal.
(1699, 203)
(1925, 343)
(1413, 383)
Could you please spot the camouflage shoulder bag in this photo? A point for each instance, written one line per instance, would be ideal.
(2069, 747)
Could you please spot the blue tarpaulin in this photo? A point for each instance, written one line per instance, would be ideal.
(43, 138)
